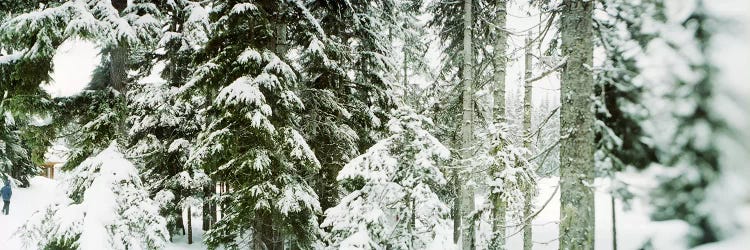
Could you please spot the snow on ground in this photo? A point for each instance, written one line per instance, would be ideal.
(22, 204)
(42, 191)
(633, 227)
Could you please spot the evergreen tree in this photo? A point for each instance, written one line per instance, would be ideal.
(15, 156)
(107, 208)
(252, 139)
(620, 138)
(21, 101)
(344, 112)
(689, 152)
(164, 124)
(393, 201)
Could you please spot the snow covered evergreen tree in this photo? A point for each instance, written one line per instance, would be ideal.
(36, 35)
(513, 176)
(21, 101)
(344, 111)
(107, 208)
(477, 63)
(15, 156)
(164, 124)
(163, 127)
(621, 140)
(689, 135)
(252, 139)
(393, 201)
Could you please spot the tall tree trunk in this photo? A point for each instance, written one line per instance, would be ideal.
(180, 223)
(499, 63)
(467, 192)
(614, 224)
(206, 218)
(118, 56)
(528, 189)
(405, 76)
(118, 68)
(190, 225)
(577, 151)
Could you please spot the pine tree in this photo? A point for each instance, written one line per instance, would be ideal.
(252, 139)
(162, 128)
(449, 105)
(163, 124)
(343, 112)
(15, 157)
(499, 65)
(620, 138)
(21, 100)
(107, 207)
(577, 120)
(393, 201)
(35, 36)
(690, 152)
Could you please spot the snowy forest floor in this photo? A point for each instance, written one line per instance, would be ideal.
(26, 201)
(633, 226)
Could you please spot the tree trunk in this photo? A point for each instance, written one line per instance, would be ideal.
(467, 194)
(118, 68)
(190, 225)
(180, 223)
(577, 151)
(528, 189)
(614, 224)
(206, 218)
(404, 67)
(456, 209)
(499, 63)
(118, 56)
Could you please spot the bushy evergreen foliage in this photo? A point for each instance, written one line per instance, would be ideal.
(393, 189)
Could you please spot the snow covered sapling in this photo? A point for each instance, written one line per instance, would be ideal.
(512, 174)
(109, 209)
(392, 201)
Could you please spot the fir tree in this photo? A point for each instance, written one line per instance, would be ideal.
(619, 135)
(252, 139)
(690, 151)
(344, 111)
(107, 207)
(163, 124)
(393, 201)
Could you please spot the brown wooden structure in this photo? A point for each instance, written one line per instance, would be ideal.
(48, 169)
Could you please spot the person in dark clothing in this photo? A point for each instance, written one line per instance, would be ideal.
(6, 193)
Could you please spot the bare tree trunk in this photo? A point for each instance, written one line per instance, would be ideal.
(190, 225)
(577, 119)
(614, 224)
(406, 74)
(180, 221)
(528, 189)
(118, 68)
(207, 216)
(499, 64)
(467, 192)
(456, 210)
(118, 56)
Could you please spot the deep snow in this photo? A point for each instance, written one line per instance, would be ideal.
(633, 226)
(42, 191)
